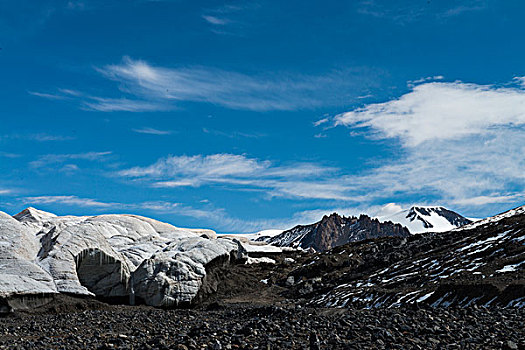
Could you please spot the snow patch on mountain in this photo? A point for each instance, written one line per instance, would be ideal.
(256, 243)
(419, 219)
(261, 236)
(495, 219)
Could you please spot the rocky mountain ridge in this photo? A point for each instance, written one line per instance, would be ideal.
(482, 263)
(335, 230)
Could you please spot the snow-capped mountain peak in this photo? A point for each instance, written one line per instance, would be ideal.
(31, 214)
(420, 219)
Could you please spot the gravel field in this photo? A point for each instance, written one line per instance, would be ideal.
(93, 325)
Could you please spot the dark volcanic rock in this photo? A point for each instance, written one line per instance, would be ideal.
(335, 230)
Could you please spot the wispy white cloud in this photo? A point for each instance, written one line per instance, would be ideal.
(70, 92)
(410, 12)
(483, 200)
(4, 191)
(39, 137)
(161, 87)
(321, 121)
(149, 88)
(153, 131)
(9, 155)
(48, 137)
(222, 221)
(461, 143)
(412, 83)
(468, 6)
(69, 169)
(47, 95)
(232, 19)
(387, 210)
(125, 105)
(76, 5)
(66, 200)
(399, 13)
(60, 158)
(441, 111)
(233, 134)
(218, 218)
(60, 94)
(215, 20)
(298, 180)
(145, 87)
(217, 165)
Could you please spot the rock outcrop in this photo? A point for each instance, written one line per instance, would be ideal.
(335, 230)
(109, 256)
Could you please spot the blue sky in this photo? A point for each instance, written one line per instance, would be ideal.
(242, 116)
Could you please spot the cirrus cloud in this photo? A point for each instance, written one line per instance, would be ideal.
(298, 180)
(147, 87)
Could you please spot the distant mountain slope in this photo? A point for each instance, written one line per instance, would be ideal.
(261, 236)
(482, 263)
(335, 230)
(420, 219)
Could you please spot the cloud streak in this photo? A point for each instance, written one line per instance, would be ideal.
(461, 143)
(39, 137)
(150, 88)
(215, 20)
(218, 217)
(298, 180)
(67, 200)
(153, 131)
(441, 111)
(234, 90)
(407, 13)
(60, 158)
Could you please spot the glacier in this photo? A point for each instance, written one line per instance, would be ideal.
(109, 256)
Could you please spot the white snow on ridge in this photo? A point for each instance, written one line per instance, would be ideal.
(414, 219)
(261, 248)
(253, 236)
(496, 218)
(251, 245)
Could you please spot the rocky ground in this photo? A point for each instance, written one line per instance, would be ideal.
(81, 324)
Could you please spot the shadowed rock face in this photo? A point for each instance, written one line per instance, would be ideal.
(41, 253)
(335, 230)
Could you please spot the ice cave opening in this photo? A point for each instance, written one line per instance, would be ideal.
(103, 275)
